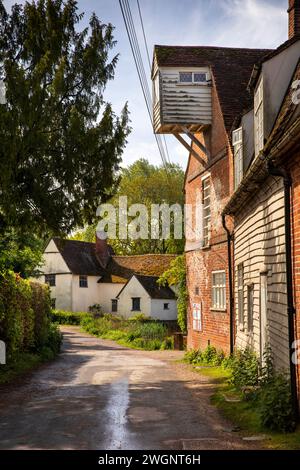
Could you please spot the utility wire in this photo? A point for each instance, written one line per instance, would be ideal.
(149, 63)
(134, 44)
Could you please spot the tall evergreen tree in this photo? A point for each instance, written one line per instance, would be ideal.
(60, 142)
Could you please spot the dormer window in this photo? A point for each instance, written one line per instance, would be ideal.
(259, 119)
(237, 142)
(192, 77)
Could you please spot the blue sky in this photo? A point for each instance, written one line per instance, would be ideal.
(237, 23)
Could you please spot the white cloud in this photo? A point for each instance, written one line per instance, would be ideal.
(251, 23)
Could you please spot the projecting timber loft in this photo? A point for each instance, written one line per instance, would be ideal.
(182, 103)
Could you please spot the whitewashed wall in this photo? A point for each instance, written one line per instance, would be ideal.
(107, 292)
(84, 297)
(158, 312)
(134, 289)
(54, 263)
(260, 245)
(276, 84)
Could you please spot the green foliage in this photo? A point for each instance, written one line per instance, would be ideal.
(167, 343)
(176, 276)
(25, 317)
(245, 369)
(139, 332)
(209, 356)
(148, 331)
(61, 143)
(275, 404)
(19, 253)
(96, 309)
(63, 317)
(146, 184)
(139, 317)
(268, 403)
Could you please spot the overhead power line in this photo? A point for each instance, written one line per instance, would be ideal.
(136, 52)
(149, 63)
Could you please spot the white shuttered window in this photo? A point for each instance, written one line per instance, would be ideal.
(206, 210)
(219, 290)
(237, 142)
(259, 119)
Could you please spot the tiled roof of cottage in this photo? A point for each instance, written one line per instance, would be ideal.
(121, 268)
(79, 256)
(152, 288)
(231, 67)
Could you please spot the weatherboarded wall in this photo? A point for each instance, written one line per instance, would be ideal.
(260, 249)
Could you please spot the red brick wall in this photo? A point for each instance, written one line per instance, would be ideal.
(201, 263)
(294, 18)
(295, 175)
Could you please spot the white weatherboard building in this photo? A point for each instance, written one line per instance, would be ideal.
(82, 274)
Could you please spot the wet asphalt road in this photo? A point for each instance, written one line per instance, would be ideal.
(99, 395)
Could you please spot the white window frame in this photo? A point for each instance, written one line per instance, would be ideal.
(192, 82)
(197, 317)
(237, 142)
(240, 295)
(206, 205)
(259, 118)
(250, 307)
(218, 291)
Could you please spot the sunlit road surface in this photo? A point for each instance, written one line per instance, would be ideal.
(99, 395)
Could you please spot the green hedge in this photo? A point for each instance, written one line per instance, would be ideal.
(25, 324)
(63, 317)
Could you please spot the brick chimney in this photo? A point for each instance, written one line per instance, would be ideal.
(103, 251)
(294, 18)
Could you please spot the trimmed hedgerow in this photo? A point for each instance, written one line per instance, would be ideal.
(63, 317)
(25, 325)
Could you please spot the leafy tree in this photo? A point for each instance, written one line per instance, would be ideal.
(176, 276)
(21, 254)
(60, 142)
(146, 184)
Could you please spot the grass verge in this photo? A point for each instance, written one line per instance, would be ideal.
(22, 364)
(243, 414)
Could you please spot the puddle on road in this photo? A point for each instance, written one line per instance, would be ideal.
(117, 432)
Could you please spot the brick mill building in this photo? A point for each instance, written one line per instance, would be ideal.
(199, 91)
(240, 110)
(266, 210)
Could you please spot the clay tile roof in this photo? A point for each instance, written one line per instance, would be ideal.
(231, 68)
(153, 289)
(121, 268)
(79, 256)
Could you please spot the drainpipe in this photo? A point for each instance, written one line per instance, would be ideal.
(231, 298)
(289, 277)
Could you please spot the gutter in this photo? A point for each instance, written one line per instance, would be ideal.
(281, 172)
(231, 294)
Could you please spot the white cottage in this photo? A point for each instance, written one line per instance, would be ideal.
(142, 294)
(82, 274)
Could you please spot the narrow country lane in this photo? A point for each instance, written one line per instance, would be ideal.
(99, 395)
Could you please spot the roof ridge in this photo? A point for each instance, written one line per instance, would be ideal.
(145, 254)
(217, 47)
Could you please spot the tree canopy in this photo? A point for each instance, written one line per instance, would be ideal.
(60, 142)
(146, 184)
